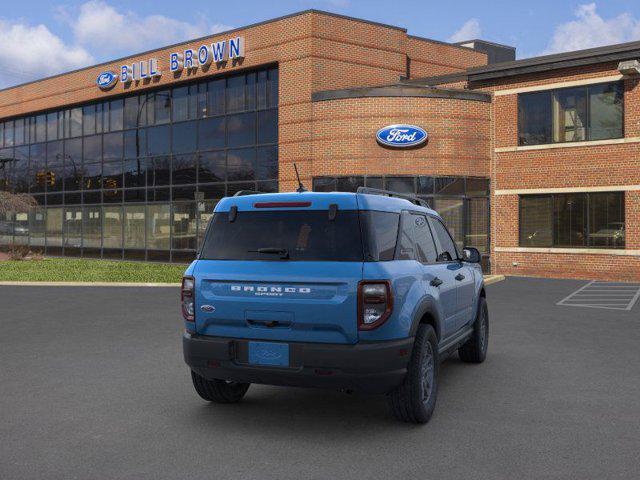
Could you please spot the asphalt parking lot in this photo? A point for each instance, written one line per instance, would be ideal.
(93, 386)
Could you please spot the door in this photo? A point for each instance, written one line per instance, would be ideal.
(462, 274)
(438, 280)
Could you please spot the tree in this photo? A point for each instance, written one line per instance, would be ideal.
(16, 202)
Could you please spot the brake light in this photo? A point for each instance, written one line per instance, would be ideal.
(375, 303)
(281, 204)
(187, 298)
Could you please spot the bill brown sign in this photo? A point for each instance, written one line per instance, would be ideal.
(189, 59)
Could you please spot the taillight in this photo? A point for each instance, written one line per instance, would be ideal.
(186, 298)
(375, 303)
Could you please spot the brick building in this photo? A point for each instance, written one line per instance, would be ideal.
(126, 159)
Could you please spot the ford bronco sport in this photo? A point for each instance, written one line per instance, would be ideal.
(358, 291)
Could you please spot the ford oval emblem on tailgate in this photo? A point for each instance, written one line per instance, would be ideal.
(208, 308)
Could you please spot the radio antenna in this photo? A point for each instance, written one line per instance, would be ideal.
(300, 188)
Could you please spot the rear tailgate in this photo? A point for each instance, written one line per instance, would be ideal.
(278, 300)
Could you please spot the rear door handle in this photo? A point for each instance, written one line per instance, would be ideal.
(460, 277)
(436, 282)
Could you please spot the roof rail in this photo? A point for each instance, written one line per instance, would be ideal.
(242, 193)
(388, 193)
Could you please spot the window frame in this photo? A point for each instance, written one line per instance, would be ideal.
(588, 219)
(553, 91)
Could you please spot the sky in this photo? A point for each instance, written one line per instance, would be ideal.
(39, 38)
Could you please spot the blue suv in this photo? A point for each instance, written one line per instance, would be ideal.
(358, 291)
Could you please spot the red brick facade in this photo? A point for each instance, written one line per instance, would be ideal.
(468, 136)
(579, 168)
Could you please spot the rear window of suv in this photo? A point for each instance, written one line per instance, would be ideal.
(307, 235)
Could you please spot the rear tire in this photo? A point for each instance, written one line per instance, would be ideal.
(219, 391)
(475, 349)
(415, 400)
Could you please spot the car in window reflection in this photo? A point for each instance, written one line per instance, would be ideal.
(612, 235)
(9, 228)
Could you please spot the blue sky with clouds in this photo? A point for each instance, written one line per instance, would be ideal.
(71, 34)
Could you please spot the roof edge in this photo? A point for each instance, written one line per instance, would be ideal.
(400, 90)
(555, 61)
(225, 32)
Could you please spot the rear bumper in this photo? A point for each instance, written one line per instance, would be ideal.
(372, 367)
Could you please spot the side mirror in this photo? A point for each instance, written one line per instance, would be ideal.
(471, 255)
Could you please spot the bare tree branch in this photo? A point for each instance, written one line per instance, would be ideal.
(16, 202)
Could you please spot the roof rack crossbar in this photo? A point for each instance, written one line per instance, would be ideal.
(242, 193)
(388, 193)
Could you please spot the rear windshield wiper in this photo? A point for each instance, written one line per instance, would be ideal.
(283, 252)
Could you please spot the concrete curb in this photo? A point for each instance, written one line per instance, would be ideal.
(489, 279)
(88, 284)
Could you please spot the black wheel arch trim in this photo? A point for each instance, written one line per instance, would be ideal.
(427, 306)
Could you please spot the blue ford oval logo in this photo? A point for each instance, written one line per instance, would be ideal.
(401, 136)
(106, 80)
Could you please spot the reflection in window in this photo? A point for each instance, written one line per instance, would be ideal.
(92, 159)
(241, 164)
(158, 227)
(591, 112)
(211, 133)
(184, 137)
(184, 226)
(134, 225)
(54, 227)
(92, 227)
(241, 130)
(595, 220)
(37, 226)
(477, 233)
(452, 212)
(73, 227)
(183, 169)
(112, 227)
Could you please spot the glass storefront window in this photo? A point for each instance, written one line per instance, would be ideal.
(96, 163)
(134, 225)
(578, 220)
(158, 226)
(184, 226)
(54, 227)
(37, 226)
(92, 227)
(591, 112)
(452, 212)
(73, 227)
(112, 227)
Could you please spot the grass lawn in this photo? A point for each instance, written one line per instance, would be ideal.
(85, 270)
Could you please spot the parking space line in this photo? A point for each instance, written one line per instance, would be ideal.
(596, 294)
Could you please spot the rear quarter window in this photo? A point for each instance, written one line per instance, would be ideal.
(380, 233)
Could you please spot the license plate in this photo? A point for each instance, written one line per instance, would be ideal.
(267, 353)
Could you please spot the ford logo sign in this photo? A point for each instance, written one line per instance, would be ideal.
(106, 80)
(401, 136)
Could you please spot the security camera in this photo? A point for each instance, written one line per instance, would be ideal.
(629, 67)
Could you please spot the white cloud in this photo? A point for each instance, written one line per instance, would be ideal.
(98, 32)
(107, 31)
(469, 31)
(589, 29)
(29, 52)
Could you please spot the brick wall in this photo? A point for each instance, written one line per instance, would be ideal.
(344, 137)
(315, 51)
(429, 58)
(564, 167)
